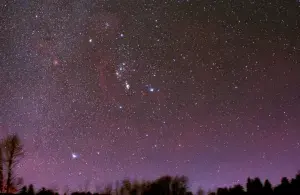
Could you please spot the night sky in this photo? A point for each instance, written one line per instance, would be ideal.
(103, 90)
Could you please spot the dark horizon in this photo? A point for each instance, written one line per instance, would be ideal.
(105, 90)
(168, 185)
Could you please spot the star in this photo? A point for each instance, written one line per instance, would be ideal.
(106, 25)
(150, 89)
(118, 74)
(127, 86)
(74, 155)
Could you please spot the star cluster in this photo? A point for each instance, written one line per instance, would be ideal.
(103, 90)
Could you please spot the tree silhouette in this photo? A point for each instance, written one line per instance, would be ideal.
(200, 191)
(249, 186)
(126, 187)
(295, 184)
(30, 190)
(163, 185)
(145, 186)
(283, 188)
(136, 188)
(13, 151)
(267, 189)
(222, 191)
(254, 186)
(237, 190)
(167, 185)
(24, 190)
(212, 193)
(45, 191)
(179, 185)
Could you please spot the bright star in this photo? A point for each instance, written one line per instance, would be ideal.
(122, 35)
(90, 40)
(127, 85)
(74, 156)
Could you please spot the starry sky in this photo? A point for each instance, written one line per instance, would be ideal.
(103, 90)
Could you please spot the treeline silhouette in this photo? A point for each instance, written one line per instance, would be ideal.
(168, 185)
(11, 151)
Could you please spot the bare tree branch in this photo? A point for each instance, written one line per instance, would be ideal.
(13, 152)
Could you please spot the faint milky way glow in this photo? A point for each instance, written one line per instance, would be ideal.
(103, 90)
